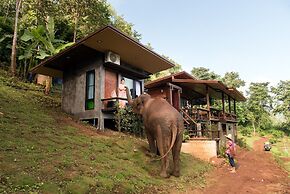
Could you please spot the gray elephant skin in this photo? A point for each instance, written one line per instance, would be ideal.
(163, 127)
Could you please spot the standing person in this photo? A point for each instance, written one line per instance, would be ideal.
(231, 152)
(122, 93)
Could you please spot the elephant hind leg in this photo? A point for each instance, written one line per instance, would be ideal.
(176, 155)
(163, 145)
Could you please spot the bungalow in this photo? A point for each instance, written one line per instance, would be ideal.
(202, 103)
(92, 68)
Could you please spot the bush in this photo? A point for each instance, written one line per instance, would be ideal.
(242, 142)
(129, 121)
(246, 131)
(185, 137)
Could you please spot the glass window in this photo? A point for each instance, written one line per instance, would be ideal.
(134, 86)
(90, 90)
(138, 88)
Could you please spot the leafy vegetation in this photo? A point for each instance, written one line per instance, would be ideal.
(42, 150)
(266, 109)
(129, 121)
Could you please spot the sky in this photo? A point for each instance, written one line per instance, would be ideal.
(251, 37)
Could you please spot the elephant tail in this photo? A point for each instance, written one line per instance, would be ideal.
(173, 139)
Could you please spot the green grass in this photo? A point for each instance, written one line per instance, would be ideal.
(249, 140)
(281, 151)
(40, 152)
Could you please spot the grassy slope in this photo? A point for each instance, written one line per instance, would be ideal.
(42, 150)
(281, 151)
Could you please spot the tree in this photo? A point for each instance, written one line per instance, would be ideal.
(6, 36)
(120, 23)
(259, 104)
(14, 42)
(40, 43)
(204, 74)
(232, 79)
(85, 15)
(172, 70)
(282, 99)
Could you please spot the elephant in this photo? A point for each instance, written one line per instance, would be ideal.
(163, 127)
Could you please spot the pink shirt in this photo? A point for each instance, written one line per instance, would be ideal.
(230, 145)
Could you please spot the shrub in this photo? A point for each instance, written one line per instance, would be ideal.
(129, 121)
(185, 137)
(241, 142)
(246, 131)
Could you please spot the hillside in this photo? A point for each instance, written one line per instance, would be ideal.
(44, 150)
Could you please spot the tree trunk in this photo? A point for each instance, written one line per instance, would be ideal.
(253, 124)
(14, 43)
(75, 27)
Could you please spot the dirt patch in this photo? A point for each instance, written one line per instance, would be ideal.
(257, 173)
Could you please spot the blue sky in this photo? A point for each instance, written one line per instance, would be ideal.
(251, 37)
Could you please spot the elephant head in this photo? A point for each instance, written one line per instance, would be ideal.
(139, 102)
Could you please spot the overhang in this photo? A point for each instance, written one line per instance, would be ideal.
(109, 39)
(214, 87)
(168, 79)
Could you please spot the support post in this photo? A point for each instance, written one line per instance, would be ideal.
(223, 102)
(229, 99)
(235, 108)
(208, 110)
(101, 77)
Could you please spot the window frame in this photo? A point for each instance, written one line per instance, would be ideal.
(87, 100)
(134, 84)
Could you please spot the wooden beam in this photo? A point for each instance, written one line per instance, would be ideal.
(235, 108)
(208, 102)
(223, 103)
(229, 99)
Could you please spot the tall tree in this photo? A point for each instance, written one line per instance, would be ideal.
(232, 79)
(259, 104)
(204, 73)
(85, 15)
(282, 99)
(126, 27)
(14, 42)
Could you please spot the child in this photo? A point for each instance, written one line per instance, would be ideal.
(231, 151)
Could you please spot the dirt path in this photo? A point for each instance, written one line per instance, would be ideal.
(257, 173)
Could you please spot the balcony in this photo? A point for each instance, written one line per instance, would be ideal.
(109, 105)
(202, 115)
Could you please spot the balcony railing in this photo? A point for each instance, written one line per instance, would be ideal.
(110, 104)
(201, 114)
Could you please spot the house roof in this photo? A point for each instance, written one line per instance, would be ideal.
(103, 40)
(167, 79)
(183, 79)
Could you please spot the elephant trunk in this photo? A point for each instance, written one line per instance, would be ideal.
(129, 98)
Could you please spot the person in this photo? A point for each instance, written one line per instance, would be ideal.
(231, 152)
(122, 93)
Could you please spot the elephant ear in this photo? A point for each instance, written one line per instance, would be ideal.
(144, 98)
(142, 101)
